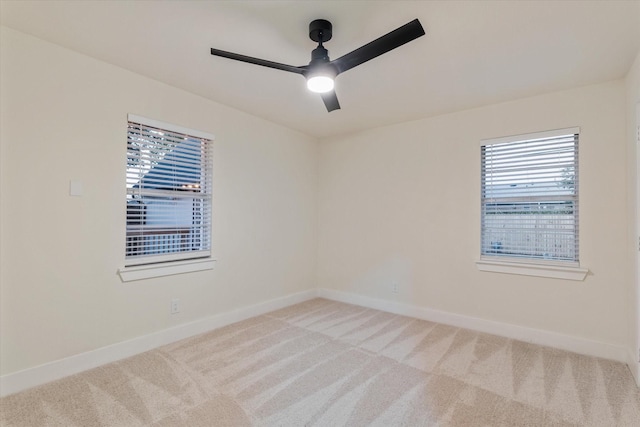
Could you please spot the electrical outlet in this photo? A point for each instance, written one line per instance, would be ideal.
(175, 306)
(394, 287)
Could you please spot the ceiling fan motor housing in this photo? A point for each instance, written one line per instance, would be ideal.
(319, 54)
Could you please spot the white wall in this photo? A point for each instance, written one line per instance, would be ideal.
(403, 203)
(63, 116)
(399, 203)
(633, 197)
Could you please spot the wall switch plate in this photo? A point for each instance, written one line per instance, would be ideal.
(75, 188)
(394, 287)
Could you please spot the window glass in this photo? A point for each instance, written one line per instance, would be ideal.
(529, 196)
(168, 195)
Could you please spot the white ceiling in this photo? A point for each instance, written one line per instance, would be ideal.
(475, 52)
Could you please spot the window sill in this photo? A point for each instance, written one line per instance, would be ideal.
(532, 269)
(139, 272)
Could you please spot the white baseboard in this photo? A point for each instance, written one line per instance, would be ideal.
(31, 377)
(634, 365)
(522, 333)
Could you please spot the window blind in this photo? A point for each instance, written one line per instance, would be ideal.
(169, 177)
(529, 193)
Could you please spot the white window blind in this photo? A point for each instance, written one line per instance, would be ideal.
(529, 194)
(169, 172)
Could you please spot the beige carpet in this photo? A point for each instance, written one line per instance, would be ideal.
(324, 363)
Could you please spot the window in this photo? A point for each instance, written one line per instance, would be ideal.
(168, 193)
(529, 193)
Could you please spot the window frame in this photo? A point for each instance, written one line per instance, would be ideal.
(523, 265)
(136, 268)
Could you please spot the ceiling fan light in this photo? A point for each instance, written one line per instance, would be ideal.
(320, 84)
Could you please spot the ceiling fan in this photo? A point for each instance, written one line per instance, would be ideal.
(321, 71)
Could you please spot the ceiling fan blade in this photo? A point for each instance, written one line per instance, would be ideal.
(258, 61)
(384, 44)
(330, 101)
